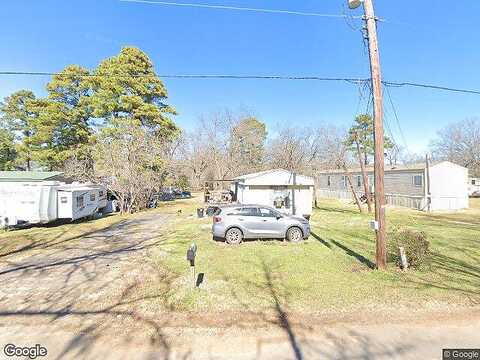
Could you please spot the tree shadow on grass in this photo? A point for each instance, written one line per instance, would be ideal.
(450, 274)
(338, 210)
(37, 242)
(346, 249)
(97, 287)
(322, 241)
(305, 338)
(270, 290)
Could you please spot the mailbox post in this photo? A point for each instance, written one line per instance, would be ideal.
(191, 253)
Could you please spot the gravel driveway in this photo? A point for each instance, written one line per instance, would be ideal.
(82, 286)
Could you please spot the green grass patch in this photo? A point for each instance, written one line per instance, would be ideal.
(331, 271)
(15, 241)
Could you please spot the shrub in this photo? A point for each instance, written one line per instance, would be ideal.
(415, 243)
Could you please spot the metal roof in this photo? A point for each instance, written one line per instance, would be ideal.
(29, 175)
(388, 168)
(280, 177)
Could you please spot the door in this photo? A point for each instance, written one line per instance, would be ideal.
(250, 221)
(272, 223)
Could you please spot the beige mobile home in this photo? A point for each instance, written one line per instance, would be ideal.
(407, 186)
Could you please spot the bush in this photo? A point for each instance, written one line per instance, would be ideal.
(415, 243)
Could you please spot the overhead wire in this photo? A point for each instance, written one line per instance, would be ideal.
(395, 113)
(351, 80)
(237, 8)
(429, 86)
(188, 76)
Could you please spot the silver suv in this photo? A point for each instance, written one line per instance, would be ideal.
(237, 222)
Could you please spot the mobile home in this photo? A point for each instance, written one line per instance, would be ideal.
(439, 186)
(284, 190)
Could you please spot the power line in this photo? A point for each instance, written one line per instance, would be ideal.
(244, 77)
(187, 76)
(238, 8)
(396, 117)
(436, 87)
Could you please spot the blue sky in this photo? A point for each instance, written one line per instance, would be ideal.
(421, 41)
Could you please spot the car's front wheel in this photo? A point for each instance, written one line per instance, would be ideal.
(233, 236)
(294, 234)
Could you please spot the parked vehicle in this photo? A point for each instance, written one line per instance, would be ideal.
(179, 194)
(238, 222)
(166, 196)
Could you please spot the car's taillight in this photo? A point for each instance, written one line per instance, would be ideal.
(217, 219)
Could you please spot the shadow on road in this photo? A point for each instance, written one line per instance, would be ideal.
(95, 284)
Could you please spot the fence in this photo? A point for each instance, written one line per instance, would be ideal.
(414, 202)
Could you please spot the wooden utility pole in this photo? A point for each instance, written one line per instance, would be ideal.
(381, 248)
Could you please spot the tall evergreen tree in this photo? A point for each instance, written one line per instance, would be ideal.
(7, 150)
(19, 113)
(128, 89)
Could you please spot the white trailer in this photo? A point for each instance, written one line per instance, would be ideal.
(76, 201)
(42, 202)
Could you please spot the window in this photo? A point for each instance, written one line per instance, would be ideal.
(473, 182)
(63, 200)
(268, 213)
(80, 202)
(359, 181)
(247, 211)
(92, 197)
(329, 180)
(278, 202)
(344, 181)
(418, 180)
(100, 193)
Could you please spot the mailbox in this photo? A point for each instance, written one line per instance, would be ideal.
(191, 252)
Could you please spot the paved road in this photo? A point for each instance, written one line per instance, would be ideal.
(338, 342)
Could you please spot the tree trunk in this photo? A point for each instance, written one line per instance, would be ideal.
(364, 176)
(354, 193)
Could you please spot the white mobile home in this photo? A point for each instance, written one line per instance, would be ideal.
(440, 186)
(26, 198)
(286, 191)
(76, 201)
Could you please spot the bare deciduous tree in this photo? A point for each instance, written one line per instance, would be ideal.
(460, 143)
(129, 160)
(223, 146)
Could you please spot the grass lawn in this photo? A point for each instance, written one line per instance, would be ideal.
(329, 272)
(43, 236)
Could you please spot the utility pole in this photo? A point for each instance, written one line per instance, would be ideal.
(376, 78)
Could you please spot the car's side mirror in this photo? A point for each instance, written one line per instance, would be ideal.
(279, 217)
